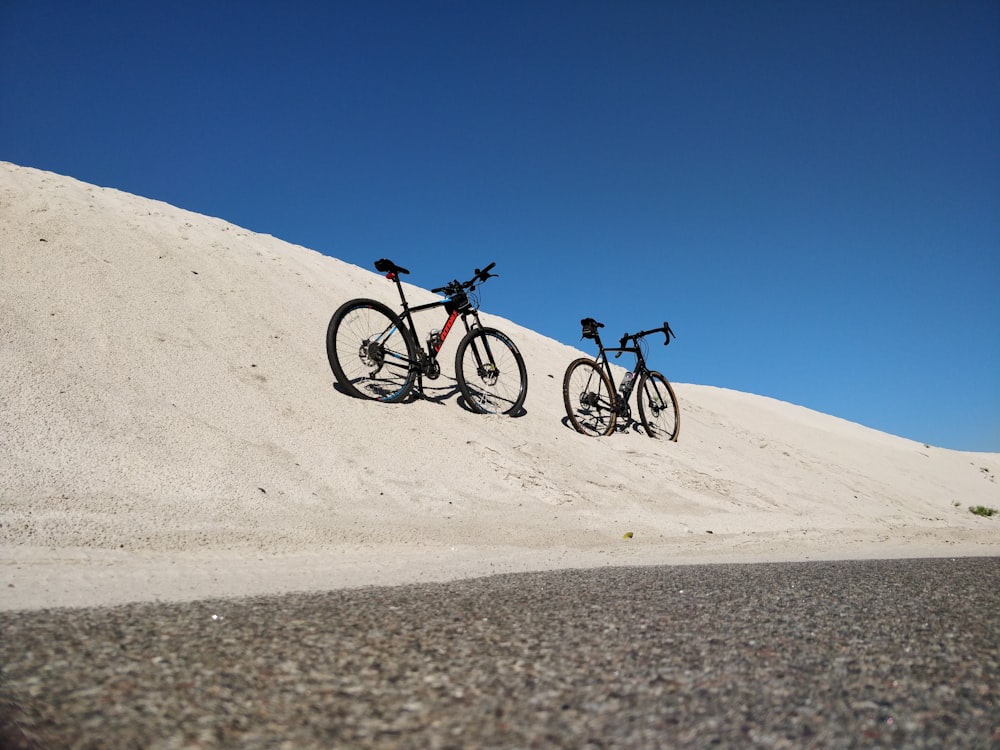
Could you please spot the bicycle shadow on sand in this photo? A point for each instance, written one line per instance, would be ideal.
(631, 426)
(435, 394)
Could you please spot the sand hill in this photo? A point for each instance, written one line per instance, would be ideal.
(169, 430)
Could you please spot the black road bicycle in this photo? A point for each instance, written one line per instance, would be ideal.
(594, 404)
(374, 353)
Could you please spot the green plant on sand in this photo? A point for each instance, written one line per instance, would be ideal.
(982, 510)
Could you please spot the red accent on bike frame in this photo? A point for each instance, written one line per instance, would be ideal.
(447, 327)
(391, 276)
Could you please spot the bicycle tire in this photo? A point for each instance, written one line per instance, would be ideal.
(371, 353)
(658, 409)
(589, 398)
(490, 372)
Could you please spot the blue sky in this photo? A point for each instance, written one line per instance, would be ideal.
(809, 192)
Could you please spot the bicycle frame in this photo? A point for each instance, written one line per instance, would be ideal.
(434, 344)
(457, 306)
(637, 371)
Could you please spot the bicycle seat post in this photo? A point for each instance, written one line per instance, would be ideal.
(399, 286)
(392, 272)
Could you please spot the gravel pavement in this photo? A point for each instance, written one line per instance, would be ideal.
(821, 654)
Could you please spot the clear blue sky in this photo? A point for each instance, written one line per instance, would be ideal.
(809, 192)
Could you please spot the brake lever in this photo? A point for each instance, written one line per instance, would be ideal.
(621, 344)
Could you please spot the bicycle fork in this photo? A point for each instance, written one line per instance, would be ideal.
(487, 370)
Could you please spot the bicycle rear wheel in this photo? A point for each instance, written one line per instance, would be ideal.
(589, 398)
(658, 408)
(490, 372)
(370, 352)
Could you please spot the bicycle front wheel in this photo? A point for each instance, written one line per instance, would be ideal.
(589, 398)
(372, 355)
(658, 408)
(490, 372)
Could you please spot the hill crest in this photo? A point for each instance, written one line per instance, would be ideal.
(167, 401)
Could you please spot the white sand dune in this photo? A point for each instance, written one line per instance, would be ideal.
(169, 430)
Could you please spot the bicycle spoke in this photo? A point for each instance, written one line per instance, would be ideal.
(589, 400)
(490, 372)
(658, 408)
(369, 352)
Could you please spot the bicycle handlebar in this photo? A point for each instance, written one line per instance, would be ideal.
(665, 329)
(457, 286)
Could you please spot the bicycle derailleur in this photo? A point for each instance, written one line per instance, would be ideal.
(372, 354)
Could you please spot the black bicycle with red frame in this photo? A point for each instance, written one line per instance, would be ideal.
(594, 404)
(374, 353)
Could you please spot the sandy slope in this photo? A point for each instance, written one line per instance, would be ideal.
(169, 429)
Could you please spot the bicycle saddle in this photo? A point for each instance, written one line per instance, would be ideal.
(590, 327)
(384, 265)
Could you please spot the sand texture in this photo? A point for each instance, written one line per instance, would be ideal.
(170, 430)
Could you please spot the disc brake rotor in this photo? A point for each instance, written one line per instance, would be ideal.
(372, 354)
(490, 374)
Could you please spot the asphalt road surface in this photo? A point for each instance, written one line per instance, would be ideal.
(822, 654)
